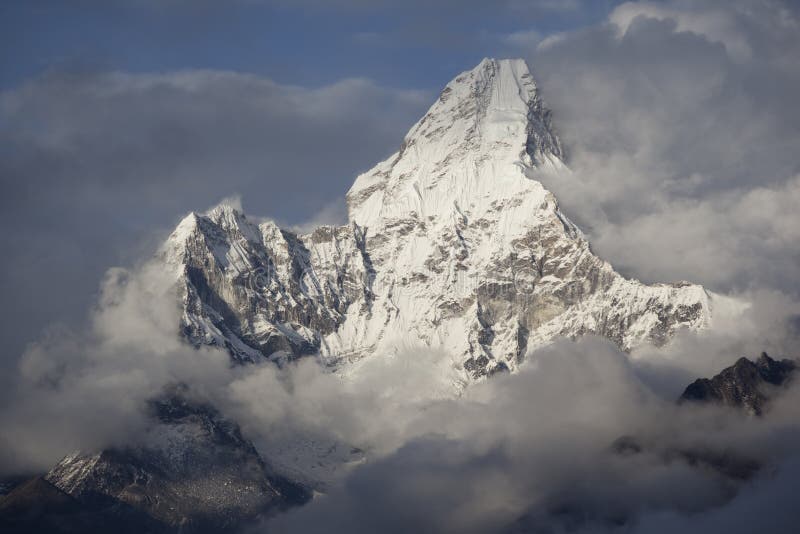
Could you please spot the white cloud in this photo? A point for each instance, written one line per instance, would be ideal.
(717, 24)
(683, 160)
(524, 39)
(551, 40)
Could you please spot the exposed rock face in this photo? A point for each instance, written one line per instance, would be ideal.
(194, 471)
(746, 384)
(37, 506)
(452, 243)
(261, 291)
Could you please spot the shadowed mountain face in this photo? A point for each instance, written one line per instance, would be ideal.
(193, 471)
(37, 506)
(746, 384)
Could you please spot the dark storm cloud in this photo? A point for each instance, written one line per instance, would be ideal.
(93, 163)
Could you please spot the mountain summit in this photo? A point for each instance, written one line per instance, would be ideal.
(748, 385)
(486, 128)
(453, 243)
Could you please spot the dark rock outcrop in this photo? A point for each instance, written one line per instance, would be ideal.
(746, 384)
(192, 472)
(38, 506)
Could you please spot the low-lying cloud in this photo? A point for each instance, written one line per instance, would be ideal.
(392, 446)
(532, 452)
(87, 390)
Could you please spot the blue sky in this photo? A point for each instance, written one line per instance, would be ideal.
(402, 44)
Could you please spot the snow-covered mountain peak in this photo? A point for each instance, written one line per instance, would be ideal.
(231, 219)
(224, 210)
(488, 107)
(491, 107)
(473, 146)
(453, 243)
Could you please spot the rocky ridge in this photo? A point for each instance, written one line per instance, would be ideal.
(746, 385)
(452, 243)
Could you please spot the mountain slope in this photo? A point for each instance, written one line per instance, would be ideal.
(452, 243)
(193, 471)
(38, 506)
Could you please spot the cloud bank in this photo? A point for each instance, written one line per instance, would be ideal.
(529, 452)
(683, 128)
(533, 452)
